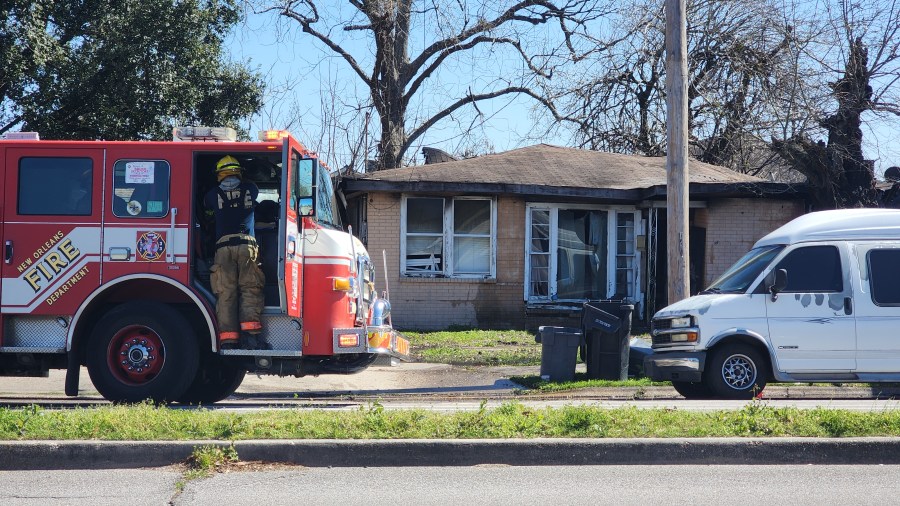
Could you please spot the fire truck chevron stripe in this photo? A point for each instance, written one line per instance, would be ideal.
(19, 298)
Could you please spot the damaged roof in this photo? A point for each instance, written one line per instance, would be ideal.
(544, 169)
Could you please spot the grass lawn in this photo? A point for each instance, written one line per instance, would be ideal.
(475, 347)
(511, 420)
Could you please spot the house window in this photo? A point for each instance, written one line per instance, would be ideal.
(624, 255)
(580, 252)
(448, 237)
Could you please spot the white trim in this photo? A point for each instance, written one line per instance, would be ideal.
(553, 209)
(612, 243)
(142, 276)
(447, 236)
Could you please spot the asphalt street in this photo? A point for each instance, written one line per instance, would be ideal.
(473, 485)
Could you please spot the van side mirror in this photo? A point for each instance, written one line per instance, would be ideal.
(776, 281)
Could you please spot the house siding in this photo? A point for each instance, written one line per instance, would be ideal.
(421, 303)
(734, 225)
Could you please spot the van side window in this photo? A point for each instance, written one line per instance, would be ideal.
(813, 269)
(141, 188)
(55, 186)
(884, 271)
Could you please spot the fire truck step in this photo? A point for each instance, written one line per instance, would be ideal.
(30, 349)
(262, 353)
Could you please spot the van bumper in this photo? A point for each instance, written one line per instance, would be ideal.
(675, 366)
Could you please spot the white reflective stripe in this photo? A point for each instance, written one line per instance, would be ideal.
(19, 297)
(143, 276)
(325, 260)
(121, 237)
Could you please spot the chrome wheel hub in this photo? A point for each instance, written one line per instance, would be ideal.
(739, 372)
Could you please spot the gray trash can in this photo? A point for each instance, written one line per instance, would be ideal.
(559, 348)
(607, 332)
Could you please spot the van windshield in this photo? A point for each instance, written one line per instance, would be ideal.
(738, 277)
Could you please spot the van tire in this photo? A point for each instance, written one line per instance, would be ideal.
(735, 371)
(156, 344)
(690, 390)
(215, 380)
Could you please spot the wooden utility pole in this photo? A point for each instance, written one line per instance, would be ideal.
(677, 198)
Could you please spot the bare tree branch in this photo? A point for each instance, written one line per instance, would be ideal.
(306, 23)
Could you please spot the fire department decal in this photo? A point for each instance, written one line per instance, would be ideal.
(50, 259)
(133, 207)
(151, 245)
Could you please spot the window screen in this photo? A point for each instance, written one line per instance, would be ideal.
(813, 269)
(884, 271)
(55, 186)
(141, 188)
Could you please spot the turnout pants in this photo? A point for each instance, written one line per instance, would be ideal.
(237, 282)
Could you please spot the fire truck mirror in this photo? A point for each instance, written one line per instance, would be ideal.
(306, 207)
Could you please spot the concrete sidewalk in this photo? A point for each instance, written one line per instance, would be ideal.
(417, 380)
(47, 455)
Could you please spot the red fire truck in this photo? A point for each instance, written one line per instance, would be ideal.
(107, 254)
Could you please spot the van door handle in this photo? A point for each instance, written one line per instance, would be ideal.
(8, 252)
(848, 306)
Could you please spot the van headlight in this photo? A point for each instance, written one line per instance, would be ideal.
(686, 337)
(680, 323)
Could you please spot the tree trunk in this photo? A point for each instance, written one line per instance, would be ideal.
(837, 173)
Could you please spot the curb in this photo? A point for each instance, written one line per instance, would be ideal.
(778, 391)
(56, 455)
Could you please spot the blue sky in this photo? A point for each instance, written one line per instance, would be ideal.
(310, 83)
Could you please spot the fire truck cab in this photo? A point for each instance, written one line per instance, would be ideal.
(107, 252)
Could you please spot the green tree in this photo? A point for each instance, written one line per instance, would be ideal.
(120, 69)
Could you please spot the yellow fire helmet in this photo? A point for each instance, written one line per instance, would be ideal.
(227, 166)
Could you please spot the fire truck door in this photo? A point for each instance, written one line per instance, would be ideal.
(51, 236)
(295, 186)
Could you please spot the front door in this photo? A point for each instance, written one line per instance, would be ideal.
(51, 235)
(811, 323)
(297, 183)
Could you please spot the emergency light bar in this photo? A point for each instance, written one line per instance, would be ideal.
(273, 135)
(203, 133)
(22, 136)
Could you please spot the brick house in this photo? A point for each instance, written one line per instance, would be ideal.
(521, 238)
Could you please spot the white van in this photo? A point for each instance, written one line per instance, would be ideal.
(817, 300)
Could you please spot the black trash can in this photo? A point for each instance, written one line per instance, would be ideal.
(559, 347)
(607, 332)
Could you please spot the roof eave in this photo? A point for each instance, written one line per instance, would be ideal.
(696, 190)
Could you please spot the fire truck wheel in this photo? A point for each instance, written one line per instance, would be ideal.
(142, 350)
(215, 380)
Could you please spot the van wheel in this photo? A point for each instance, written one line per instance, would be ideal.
(735, 372)
(690, 390)
(142, 350)
(215, 380)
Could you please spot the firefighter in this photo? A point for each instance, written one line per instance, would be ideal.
(235, 277)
